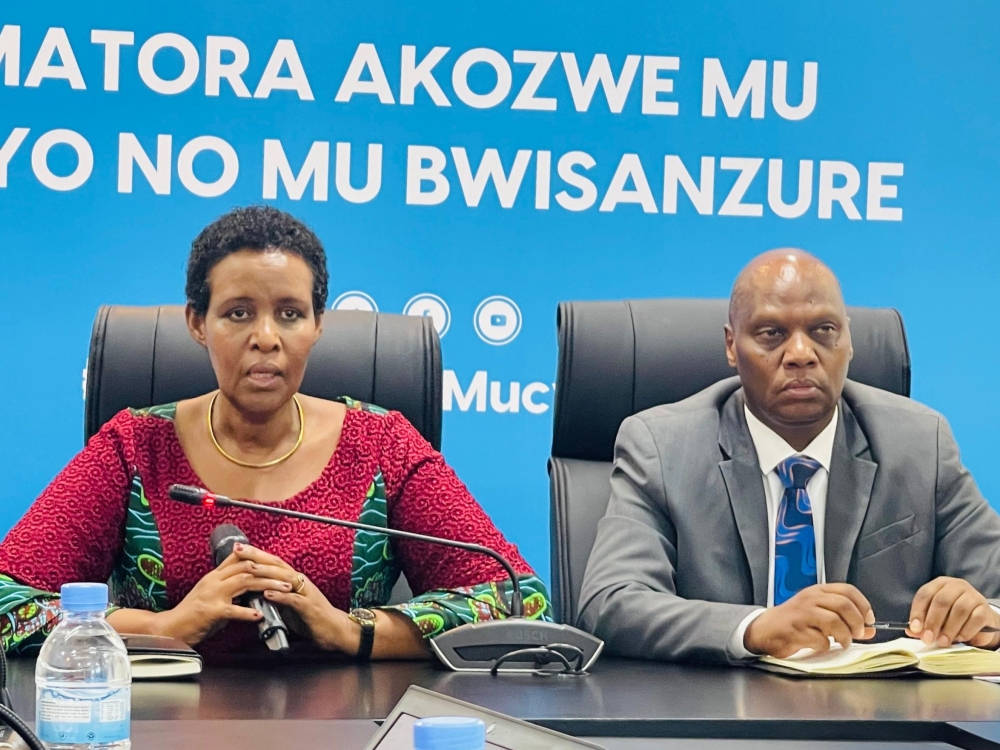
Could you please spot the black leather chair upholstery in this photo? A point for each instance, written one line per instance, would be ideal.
(618, 358)
(143, 356)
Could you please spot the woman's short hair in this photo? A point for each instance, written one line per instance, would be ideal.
(253, 228)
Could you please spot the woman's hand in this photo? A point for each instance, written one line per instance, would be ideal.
(328, 627)
(209, 605)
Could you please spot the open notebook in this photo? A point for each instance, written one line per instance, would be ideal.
(902, 654)
(156, 657)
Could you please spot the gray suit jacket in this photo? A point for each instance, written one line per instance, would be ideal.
(681, 556)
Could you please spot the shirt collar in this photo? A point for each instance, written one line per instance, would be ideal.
(772, 448)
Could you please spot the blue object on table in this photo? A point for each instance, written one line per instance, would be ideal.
(449, 733)
(81, 598)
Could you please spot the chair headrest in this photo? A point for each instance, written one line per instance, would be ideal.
(144, 356)
(618, 358)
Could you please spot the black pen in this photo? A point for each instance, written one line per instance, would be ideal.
(906, 625)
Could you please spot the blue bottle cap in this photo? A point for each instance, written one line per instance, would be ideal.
(449, 733)
(80, 598)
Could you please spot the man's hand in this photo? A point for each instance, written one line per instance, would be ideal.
(950, 610)
(809, 619)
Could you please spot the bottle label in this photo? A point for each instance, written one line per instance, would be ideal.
(82, 716)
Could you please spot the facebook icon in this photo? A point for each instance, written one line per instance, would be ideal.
(430, 306)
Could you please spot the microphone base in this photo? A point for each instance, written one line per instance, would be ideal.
(478, 646)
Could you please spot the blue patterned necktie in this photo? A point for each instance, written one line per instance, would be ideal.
(794, 535)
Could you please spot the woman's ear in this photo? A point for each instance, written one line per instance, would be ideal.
(319, 327)
(195, 324)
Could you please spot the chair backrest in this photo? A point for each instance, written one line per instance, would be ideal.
(143, 356)
(618, 358)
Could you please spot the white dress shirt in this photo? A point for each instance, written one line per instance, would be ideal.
(771, 451)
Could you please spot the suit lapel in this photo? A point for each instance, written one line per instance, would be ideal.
(745, 485)
(852, 474)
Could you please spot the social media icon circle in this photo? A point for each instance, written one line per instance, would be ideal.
(433, 307)
(497, 320)
(355, 300)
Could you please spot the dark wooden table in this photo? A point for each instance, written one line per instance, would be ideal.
(621, 699)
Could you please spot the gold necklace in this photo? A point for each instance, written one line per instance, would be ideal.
(266, 464)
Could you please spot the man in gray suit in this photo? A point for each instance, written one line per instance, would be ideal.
(777, 509)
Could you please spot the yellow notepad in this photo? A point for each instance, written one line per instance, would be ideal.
(902, 653)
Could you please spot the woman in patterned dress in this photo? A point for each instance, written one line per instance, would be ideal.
(257, 288)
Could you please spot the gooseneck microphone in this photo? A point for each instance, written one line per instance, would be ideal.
(477, 647)
(197, 496)
(270, 627)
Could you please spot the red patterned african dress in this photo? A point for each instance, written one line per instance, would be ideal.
(107, 517)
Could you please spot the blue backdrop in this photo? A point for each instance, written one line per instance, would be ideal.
(894, 106)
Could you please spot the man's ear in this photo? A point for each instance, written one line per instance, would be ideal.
(195, 324)
(730, 345)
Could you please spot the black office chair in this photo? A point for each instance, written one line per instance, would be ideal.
(143, 356)
(618, 358)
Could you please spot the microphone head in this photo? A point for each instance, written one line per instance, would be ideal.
(185, 493)
(223, 539)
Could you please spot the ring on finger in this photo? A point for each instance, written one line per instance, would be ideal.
(300, 583)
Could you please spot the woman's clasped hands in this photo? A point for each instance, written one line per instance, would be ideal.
(211, 604)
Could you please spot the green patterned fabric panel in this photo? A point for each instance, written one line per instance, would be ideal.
(164, 411)
(353, 403)
(374, 570)
(137, 580)
(27, 616)
(438, 611)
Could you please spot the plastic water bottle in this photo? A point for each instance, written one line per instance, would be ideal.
(83, 681)
(449, 733)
